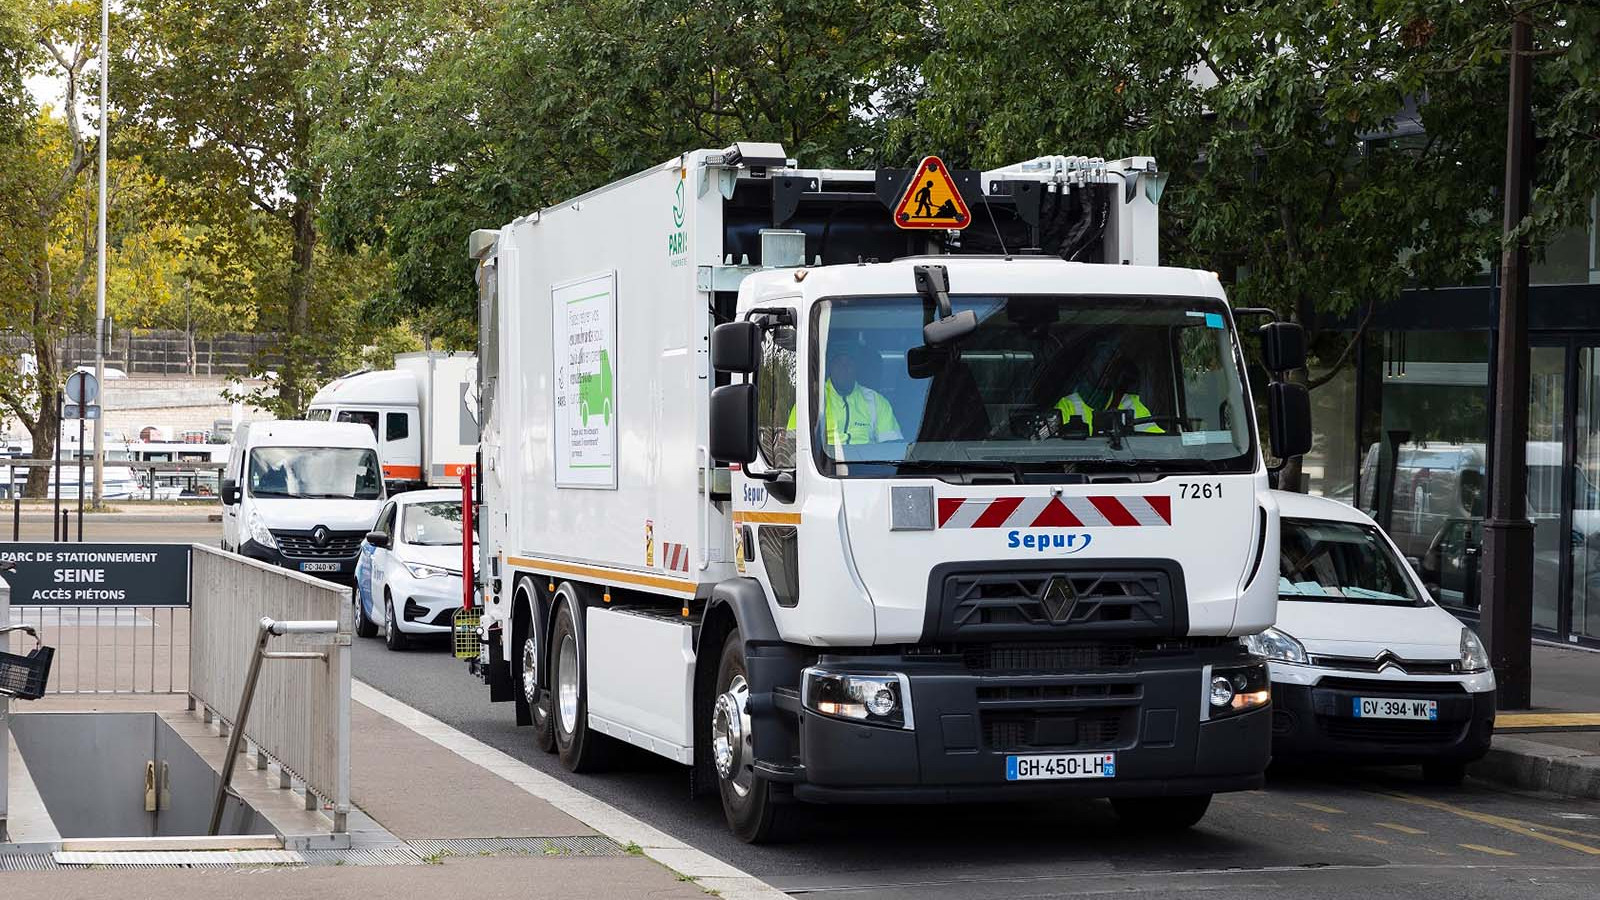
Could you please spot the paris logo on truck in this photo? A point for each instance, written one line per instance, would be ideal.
(931, 200)
(678, 238)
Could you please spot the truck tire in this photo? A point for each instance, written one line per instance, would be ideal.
(581, 749)
(1157, 814)
(754, 814)
(525, 661)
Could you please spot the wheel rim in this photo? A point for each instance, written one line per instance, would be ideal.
(731, 739)
(530, 669)
(390, 629)
(567, 683)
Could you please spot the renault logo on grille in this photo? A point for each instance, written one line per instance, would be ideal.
(1059, 598)
(319, 536)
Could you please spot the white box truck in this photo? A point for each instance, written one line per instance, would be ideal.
(423, 413)
(833, 509)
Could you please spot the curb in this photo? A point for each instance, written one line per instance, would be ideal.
(706, 870)
(1530, 765)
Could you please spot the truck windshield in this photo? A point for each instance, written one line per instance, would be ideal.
(1341, 562)
(1045, 383)
(324, 473)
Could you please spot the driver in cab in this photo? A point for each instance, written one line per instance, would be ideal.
(1110, 382)
(853, 412)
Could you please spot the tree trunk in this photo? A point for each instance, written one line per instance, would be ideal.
(47, 426)
(301, 283)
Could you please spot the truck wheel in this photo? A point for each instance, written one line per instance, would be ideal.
(754, 814)
(526, 663)
(581, 749)
(1161, 813)
(365, 627)
(393, 637)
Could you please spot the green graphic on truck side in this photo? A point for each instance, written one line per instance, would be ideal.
(594, 392)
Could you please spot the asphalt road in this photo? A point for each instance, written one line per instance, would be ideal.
(117, 527)
(1311, 834)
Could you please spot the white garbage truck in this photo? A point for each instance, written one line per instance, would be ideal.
(830, 507)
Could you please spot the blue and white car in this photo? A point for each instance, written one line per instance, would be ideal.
(408, 576)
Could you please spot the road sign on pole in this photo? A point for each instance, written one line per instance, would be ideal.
(83, 388)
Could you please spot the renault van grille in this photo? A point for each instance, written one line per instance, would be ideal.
(304, 544)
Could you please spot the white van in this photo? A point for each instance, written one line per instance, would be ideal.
(423, 413)
(302, 495)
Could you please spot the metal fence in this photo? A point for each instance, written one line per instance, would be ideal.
(110, 649)
(301, 714)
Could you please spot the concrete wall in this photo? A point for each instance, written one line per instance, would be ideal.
(90, 770)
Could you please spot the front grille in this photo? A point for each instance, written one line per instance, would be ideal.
(1004, 602)
(1390, 731)
(1047, 657)
(1013, 732)
(1376, 688)
(1015, 693)
(300, 544)
(1408, 666)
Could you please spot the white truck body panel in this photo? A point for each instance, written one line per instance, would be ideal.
(645, 520)
(435, 392)
(650, 701)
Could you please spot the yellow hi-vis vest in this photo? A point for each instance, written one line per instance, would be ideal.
(861, 417)
(1074, 405)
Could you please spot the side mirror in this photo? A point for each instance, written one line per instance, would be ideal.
(736, 347)
(1289, 419)
(377, 539)
(733, 422)
(1283, 346)
(230, 492)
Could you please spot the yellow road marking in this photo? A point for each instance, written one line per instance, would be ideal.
(1403, 829)
(1490, 850)
(1546, 720)
(1320, 808)
(1516, 826)
(1368, 837)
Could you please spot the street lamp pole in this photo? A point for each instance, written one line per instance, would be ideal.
(1507, 620)
(100, 286)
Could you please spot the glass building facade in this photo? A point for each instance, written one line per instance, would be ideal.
(1405, 434)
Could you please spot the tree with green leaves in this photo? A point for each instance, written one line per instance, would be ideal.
(217, 97)
(47, 236)
(509, 107)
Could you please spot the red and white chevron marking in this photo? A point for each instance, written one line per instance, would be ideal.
(675, 556)
(1055, 512)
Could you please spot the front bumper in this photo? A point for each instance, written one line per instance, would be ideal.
(1317, 720)
(427, 605)
(969, 723)
(343, 571)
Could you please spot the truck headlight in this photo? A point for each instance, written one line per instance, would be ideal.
(260, 533)
(1235, 689)
(878, 699)
(1276, 645)
(420, 570)
(1474, 656)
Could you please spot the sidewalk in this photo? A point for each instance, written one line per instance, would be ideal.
(1556, 745)
(449, 816)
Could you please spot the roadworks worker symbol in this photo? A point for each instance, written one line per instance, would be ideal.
(931, 199)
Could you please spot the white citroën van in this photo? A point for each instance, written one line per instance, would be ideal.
(302, 495)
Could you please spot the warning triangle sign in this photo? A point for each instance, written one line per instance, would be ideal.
(931, 199)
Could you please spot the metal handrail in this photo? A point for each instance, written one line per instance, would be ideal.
(269, 629)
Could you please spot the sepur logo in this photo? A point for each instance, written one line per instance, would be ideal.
(1045, 542)
(677, 238)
